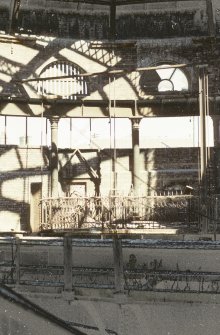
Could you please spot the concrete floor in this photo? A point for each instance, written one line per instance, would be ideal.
(100, 316)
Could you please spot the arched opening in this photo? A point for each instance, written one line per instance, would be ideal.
(63, 79)
(164, 79)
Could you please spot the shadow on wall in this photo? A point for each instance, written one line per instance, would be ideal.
(15, 179)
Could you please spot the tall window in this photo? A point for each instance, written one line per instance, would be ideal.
(64, 79)
(164, 79)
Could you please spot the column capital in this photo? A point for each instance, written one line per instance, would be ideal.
(135, 121)
(54, 120)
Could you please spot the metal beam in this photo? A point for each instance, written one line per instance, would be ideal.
(158, 106)
(106, 72)
(203, 113)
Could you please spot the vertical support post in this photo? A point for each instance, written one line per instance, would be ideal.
(68, 279)
(5, 131)
(112, 20)
(17, 260)
(216, 130)
(210, 16)
(203, 105)
(13, 14)
(118, 264)
(216, 134)
(54, 156)
(215, 217)
(136, 166)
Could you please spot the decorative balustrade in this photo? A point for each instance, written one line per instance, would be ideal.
(117, 212)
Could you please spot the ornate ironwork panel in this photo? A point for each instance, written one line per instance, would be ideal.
(118, 212)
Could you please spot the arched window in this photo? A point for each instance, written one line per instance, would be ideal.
(64, 80)
(164, 79)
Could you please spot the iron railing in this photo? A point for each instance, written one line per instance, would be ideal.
(119, 212)
(16, 269)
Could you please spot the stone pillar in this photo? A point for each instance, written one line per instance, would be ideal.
(17, 261)
(136, 166)
(68, 279)
(54, 156)
(118, 264)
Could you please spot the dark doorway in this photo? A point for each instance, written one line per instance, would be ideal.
(36, 195)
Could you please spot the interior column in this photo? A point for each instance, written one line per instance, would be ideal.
(54, 156)
(136, 166)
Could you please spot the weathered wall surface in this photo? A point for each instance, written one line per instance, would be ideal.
(86, 21)
(27, 60)
(20, 167)
(162, 170)
(156, 35)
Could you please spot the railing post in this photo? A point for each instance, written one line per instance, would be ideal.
(67, 251)
(118, 264)
(17, 260)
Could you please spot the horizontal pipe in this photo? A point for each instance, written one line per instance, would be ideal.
(105, 103)
(105, 72)
(161, 105)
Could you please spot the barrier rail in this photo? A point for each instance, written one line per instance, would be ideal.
(117, 212)
(33, 267)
